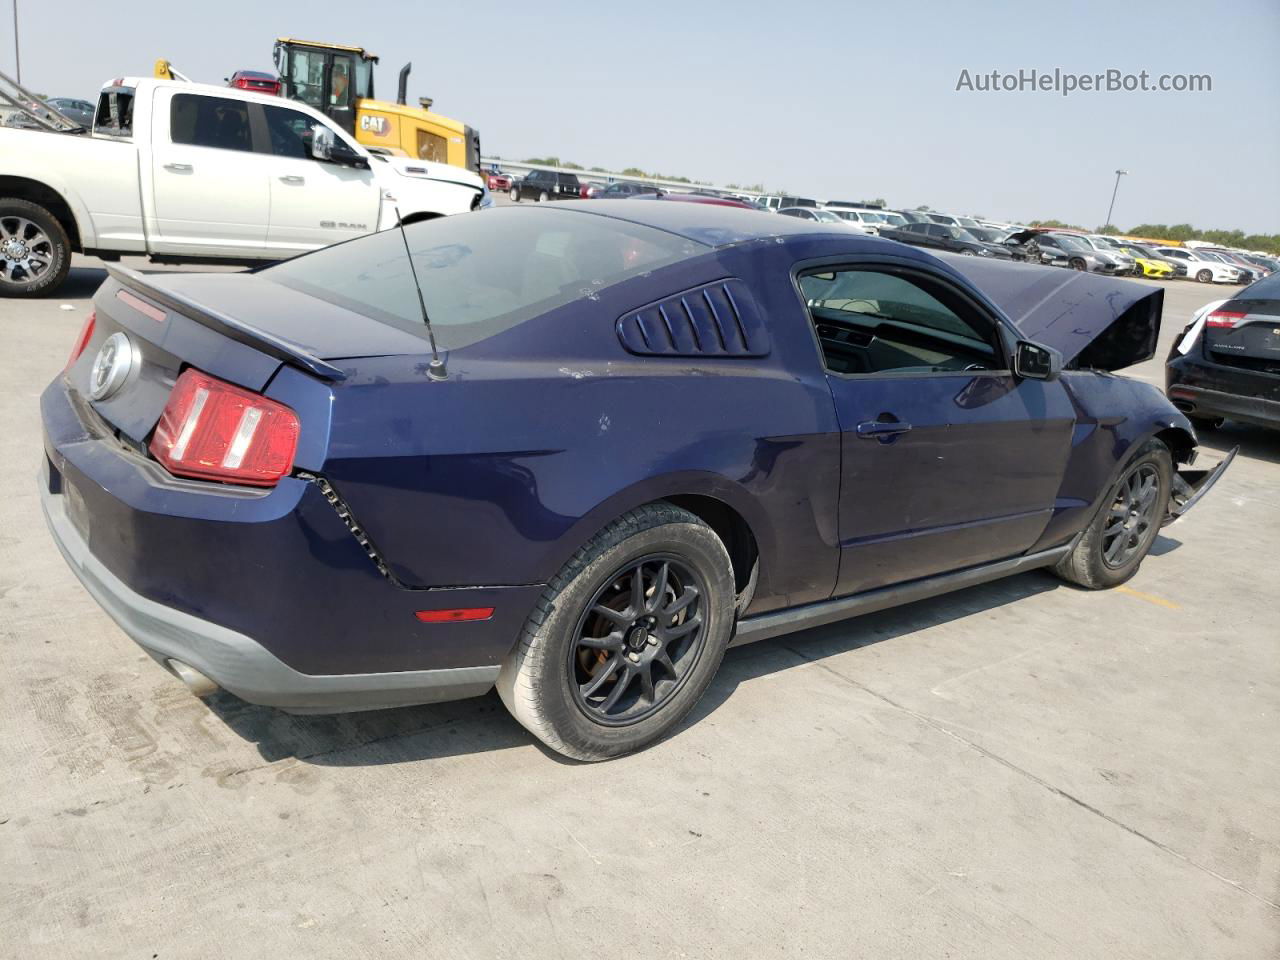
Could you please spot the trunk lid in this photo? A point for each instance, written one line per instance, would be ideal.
(1253, 343)
(170, 322)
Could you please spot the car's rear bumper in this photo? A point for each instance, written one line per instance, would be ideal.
(239, 663)
(273, 594)
(1209, 404)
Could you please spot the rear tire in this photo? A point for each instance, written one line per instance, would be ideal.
(35, 252)
(587, 636)
(1114, 544)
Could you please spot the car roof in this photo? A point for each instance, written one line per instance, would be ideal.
(710, 224)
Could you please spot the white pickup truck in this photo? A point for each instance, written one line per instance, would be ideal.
(191, 173)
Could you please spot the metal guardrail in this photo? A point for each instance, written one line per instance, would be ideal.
(596, 176)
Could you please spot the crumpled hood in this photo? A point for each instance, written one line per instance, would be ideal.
(1099, 323)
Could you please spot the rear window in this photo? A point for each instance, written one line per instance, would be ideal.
(482, 272)
(1268, 288)
(115, 111)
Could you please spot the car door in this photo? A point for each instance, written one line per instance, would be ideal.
(930, 235)
(209, 190)
(947, 459)
(313, 202)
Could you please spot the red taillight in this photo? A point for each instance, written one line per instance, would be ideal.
(82, 340)
(456, 615)
(1224, 318)
(212, 430)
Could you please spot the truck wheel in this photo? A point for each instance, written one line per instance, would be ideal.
(1120, 536)
(515, 194)
(542, 197)
(35, 253)
(626, 638)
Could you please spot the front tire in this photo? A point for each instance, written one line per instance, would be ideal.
(1079, 265)
(515, 194)
(35, 252)
(1114, 544)
(626, 637)
(542, 197)
(1205, 276)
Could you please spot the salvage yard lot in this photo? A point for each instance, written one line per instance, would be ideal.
(1022, 769)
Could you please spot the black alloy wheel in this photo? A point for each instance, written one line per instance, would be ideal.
(1131, 516)
(1124, 527)
(626, 637)
(638, 640)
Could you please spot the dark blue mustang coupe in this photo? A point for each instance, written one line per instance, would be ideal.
(610, 440)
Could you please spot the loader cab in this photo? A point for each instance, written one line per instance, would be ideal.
(329, 77)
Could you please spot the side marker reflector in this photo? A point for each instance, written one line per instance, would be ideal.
(456, 615)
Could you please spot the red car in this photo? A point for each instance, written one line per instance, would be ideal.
(255, 80)
(498, 181)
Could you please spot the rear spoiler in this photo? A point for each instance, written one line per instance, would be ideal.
(229, 327)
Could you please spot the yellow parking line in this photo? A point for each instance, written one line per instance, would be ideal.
(1158, 601)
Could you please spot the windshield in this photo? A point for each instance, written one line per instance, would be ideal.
(1070, 243)
(826, 216)
(988, 235)
(483, 272)
(966, 221)
(960, 233)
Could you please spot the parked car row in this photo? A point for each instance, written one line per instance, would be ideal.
(1095, 253)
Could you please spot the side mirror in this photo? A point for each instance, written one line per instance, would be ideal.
(1032, 361)
(322, 141)
(341, 153)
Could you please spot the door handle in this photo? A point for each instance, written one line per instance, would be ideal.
(178, 167)
(880, 430)
(293, 178)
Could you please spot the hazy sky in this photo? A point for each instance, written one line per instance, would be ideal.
(828, 99)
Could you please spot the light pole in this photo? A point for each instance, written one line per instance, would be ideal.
(1107, 222)
(17, 61)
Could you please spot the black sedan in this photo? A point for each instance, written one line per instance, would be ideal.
(938, 236)
(1226, 364)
